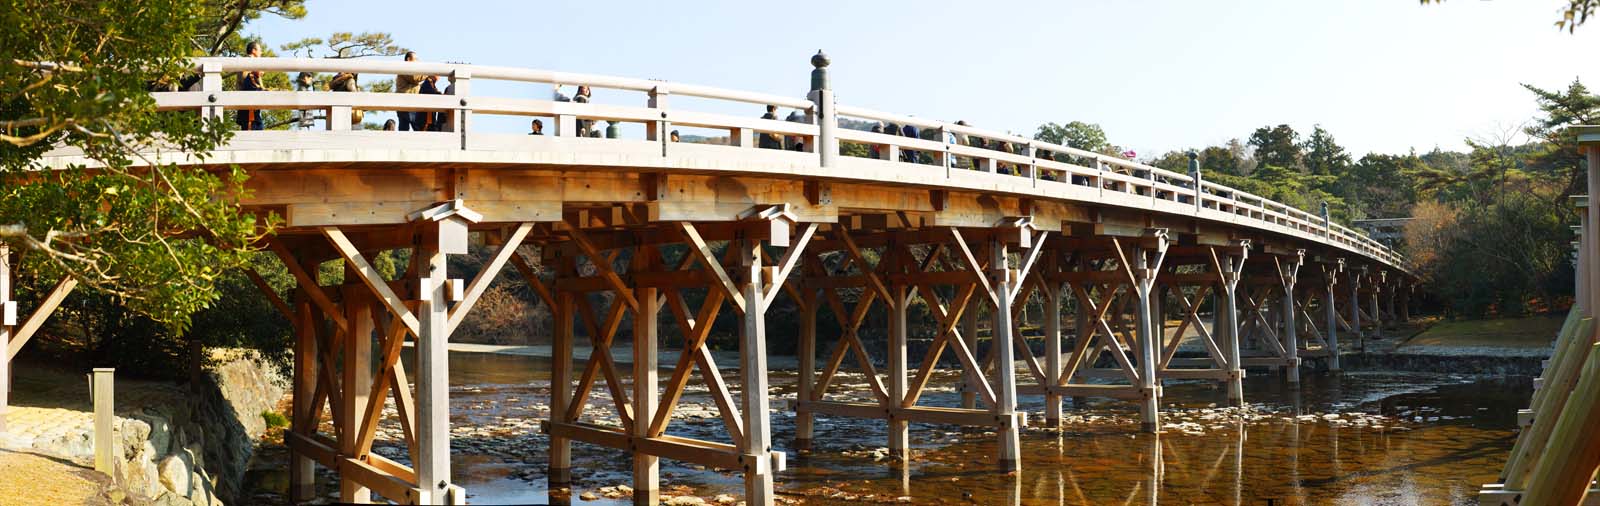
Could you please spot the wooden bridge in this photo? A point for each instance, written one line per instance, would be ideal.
(967, 220)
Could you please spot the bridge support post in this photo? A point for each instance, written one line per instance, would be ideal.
(559, 473)
(899, 428)
(969, 335)
(433, 373)
(803, 418)
(1330, 276)
(1002, 277)
(302, 470)
(1377, 317)
(356, 382)
(1052, 350)
(758, 465)
(646, 467)
(1148, 255)
(1288, 273)
(1231, 263)
(1354, 275)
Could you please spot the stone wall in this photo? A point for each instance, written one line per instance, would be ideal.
(174, 447)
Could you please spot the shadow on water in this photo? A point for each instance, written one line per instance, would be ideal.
(1424, 439)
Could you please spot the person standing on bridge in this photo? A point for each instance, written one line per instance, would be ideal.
(585, 127)
(770, 140)
(538, 128)
(794, 142)
(910, 155)
(431, 121)
(250, 119)
(409, 83)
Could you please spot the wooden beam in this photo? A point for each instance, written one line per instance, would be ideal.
(308, 283)
(40, 314)
(698, 247)
(602, 265)
(973, 265)
(372, 279)
(486, 276)
(786, 265)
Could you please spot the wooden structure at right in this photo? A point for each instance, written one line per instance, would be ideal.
(978, 225)
(1557, 451)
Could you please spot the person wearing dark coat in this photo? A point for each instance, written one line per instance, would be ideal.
(250, 119)
(770, 140)
(910, 155)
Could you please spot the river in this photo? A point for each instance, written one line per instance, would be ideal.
(1357, 438)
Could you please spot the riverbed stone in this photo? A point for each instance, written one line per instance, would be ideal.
(174, 475)
(171, 499)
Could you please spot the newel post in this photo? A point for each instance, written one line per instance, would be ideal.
(821, 97)
(461, 87)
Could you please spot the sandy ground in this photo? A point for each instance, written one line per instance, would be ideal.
(27, 478)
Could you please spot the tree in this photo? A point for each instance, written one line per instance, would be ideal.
(344, 45)
(1277, 146)
(1575, 14)
(154, 237)
(217, 31)
(1381, 186)
(1323, 156)
(1558, 153)
(1077, 134)
(1219, 159)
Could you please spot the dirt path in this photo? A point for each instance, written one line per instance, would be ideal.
(27, 478)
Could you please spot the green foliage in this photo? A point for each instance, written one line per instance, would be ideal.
(220, 22)
(1279, 145)
(1223, 160)
(155, 239)
(346, 45)
(1077, 134)
(1573, 15)
(274, 419)
(1323, 156)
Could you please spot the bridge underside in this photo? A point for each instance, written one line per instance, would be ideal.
(616, 246)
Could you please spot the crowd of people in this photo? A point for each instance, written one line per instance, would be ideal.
(435, 121)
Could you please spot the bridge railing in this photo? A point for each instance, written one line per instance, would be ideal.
(943, 147)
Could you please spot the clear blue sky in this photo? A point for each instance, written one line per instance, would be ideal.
(1381, 75)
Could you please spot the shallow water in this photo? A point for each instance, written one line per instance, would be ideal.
(1441, 438)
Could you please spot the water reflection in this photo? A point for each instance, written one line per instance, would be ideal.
(1454, 437)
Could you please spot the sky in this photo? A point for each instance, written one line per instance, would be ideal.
(1157, 75)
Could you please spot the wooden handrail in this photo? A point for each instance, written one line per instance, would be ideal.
(1107, 173)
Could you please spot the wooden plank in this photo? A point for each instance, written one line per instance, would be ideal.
(718, 389)
(786, 265)
(387, 485)
(372, 279)
(600, 361)
(313, 449)
(694, 333)
(486, 276)
(702, 250)
(602, 265)
(973, 266)
(308, 283)
(40, 314)
(272, 295)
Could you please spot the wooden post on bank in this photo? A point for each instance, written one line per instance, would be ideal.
(104, 408)
(8, 319)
